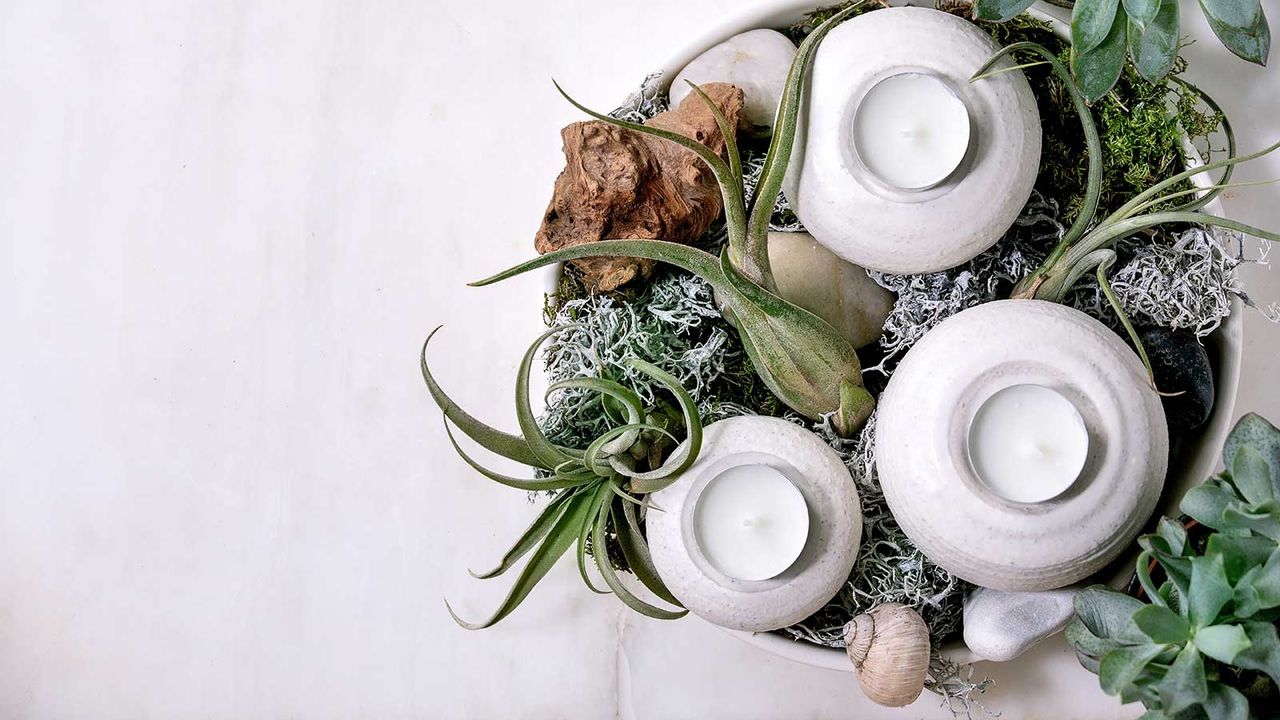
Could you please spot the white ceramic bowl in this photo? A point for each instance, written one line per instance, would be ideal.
(1194, 459)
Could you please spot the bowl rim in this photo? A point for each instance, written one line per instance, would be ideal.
(1225, 345)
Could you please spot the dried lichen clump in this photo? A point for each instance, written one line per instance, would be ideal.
(621, 184)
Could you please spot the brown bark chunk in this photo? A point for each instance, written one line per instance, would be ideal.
(620, 184)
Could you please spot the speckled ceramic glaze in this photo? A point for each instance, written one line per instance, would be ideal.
(835, 527)
(933, 491)
(876, 226)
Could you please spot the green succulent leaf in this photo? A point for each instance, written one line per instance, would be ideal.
(1087, 644)
(1252, 43)
(1092, 21)
(512, 447)
(1141, 11)
(1222, 642)
(1263, 518)
(1097, 66)
(1207, 504)
(1263, 653)
(1109, 614)
(1176, 566)
(1122, 666)
(1162, 625)
(1153, 43)
(1224, 702)
(558, 540)
(999, 10)
(1184, 684)
(1174, 534)
(1254, 431)
(1239, 14)
(1239, 553)
(532, 536)
(1252, 475)
(1210, 590)
(1267, 585)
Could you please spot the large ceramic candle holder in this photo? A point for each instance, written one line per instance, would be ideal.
(728, 542)
(901, 163)
(1021, 446)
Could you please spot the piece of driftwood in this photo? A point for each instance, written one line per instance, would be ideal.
(621, 184)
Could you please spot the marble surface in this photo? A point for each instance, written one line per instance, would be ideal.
(224, 493)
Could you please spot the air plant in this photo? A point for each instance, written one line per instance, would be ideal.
(1104, 32)
(800, 357)
(598, 489)
(1088, 245)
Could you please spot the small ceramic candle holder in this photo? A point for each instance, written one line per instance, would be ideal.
(979, 531)
(834, 528)
(912, 222)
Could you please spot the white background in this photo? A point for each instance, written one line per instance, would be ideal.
(224, 492)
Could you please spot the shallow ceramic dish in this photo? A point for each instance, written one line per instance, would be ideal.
(1193, 458)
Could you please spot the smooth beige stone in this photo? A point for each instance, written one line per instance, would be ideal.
(757, 61)
(828, 286)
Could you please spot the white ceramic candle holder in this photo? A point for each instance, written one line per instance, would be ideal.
(945, 507)
(835, 527)
(868, 221)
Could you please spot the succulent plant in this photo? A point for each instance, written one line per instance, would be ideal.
(597, 488)
(799, 356)
(1104, 32)
(1087, 246)
(1205, 643)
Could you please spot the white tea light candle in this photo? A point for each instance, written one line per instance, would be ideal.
(1028, 443)
(911, 130)
(751, 522)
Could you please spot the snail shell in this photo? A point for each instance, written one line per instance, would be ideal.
(889, 647)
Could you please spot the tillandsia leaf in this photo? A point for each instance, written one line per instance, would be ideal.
(599, 496)
(548, 454)
(512, 447)
(727, 131)
(1162, 625)
(1120, 667)
(616, 487)
(1253, 430)
(559, 539)
(1252, 43)
(687, 453)
(856, 406)
(1222, 642)
(1097, 67)
(1153, 42)
(596, 456)
(999, 10)
(1104, 264)
(730, 185)
(1141, 11)
(1184, 684)
(615, 584)
(1210, 590)
(1239, 14)
(780, 146)
(630, 402)
(1093, 151)
(531, 537)
(800, 357)
(636, 550)
(1092, 21)
(556, 483)
(703, 264)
